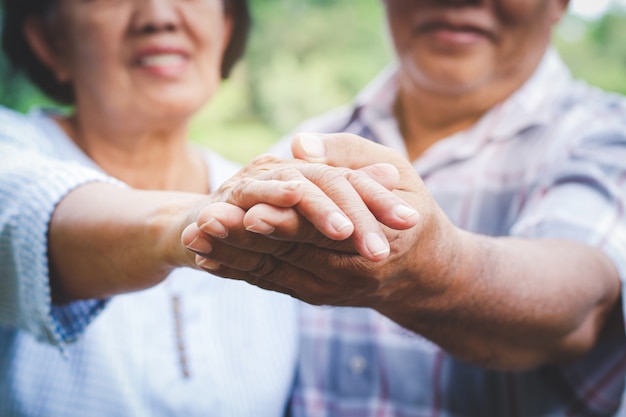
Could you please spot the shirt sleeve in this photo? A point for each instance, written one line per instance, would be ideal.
(582, 197)
(31, 185)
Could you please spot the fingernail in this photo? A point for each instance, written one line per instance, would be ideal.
(261, 227)
(403, 211)
(199, 245)
(313, 145)
(339, 222)
(215, 228)
(208, 264)
(291, 185)
(375, 244)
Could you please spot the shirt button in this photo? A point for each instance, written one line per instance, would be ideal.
(357, 364)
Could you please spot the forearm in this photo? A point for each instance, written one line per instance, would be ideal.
(498, 302)
(31, 185)
(106, 240)
(515, 303)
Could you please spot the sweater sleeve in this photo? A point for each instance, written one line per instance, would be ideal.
(32, 182)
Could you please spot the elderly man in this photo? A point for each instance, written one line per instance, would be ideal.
(510, 284)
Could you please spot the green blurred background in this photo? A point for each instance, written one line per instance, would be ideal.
(308, 56)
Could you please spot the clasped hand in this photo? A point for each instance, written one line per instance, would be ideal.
(334, 226)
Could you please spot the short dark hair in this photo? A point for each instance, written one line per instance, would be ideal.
(22, 58)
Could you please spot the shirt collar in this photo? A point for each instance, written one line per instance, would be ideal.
(536, 102)
(531, 105)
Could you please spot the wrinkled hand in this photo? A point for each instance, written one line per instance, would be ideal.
(468, 293)
(339, 203)
(279, 248)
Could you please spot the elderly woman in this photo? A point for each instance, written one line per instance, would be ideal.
(135, 72)
(93, 206)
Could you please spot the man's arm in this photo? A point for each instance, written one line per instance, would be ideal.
(506, 303)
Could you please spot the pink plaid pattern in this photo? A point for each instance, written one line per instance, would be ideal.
(548, 162)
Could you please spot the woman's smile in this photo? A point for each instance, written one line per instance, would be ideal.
(164, 62)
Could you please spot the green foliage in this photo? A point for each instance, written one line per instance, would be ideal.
(304, 57)
(596, 51)
(308, 56)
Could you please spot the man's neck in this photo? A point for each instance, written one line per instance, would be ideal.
(425, 117)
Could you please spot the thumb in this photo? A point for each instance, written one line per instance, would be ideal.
(344, 150)
(386, 175)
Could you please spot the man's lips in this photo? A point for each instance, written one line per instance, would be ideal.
(453, 30)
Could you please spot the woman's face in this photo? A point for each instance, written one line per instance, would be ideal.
(160, 58)
(456, 46)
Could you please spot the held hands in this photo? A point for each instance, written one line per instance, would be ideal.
(467, 293)
(324, 234)
(339, 203)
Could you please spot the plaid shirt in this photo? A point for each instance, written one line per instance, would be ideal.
(548, 162)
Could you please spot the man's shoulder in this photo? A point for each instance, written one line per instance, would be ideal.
(588, 128)
(587, 112)
(593, 101)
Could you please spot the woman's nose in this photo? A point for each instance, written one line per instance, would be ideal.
(155, 16)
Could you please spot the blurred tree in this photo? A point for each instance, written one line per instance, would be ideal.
(596, 51)
(307, 56)
(304, 57)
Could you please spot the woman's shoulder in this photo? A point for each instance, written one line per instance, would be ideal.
(25, 131)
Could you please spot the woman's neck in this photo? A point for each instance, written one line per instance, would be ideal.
(156, 158)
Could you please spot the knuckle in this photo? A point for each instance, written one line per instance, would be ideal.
(358, 177)
(290, 251)
(236, 193)
(264, 268)
(323, 174)
(263, 161)
(288, 172)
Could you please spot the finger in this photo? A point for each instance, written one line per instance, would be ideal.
(287, 224)
(230, 273)
(220, 235)
(367, 236)
(387, 207)
(345, 150)
(276, 275)
(322, 211)
(305, 292)
(246, 192)
(352, 151)
(217, 219)
(386, 175)
(324, 207)
(221, 224)
(242, 250)
(194, 241)
(318, 207)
